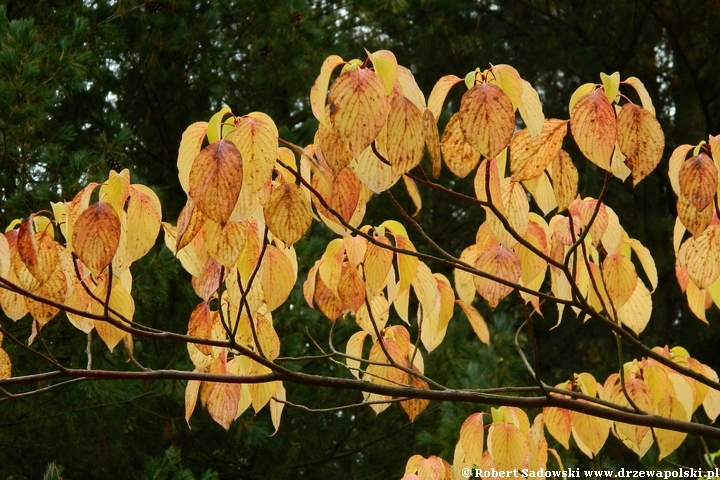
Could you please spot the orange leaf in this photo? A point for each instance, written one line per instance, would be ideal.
(287, 213)
(640, 139)
(215, 180)
(225, 242)
(594, 127)
(620, 278)
(702, 256)
(698, 180)
(565, 180)
(471, 438)
(507, 446)
(256, 137)
(96, 236)
(36, 250)
(278, 277)
(502, 263)
(439, 92)
(487, 118)
(351, 289)
(558, 423)
(529, 157)
(459, 154)
(377, 264)
(201, 325)
(431, 136)
(222, 404)
(695, 221)
(358, 107)
(415, 406)
(331, 149)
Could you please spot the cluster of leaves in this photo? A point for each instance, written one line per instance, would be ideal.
(250, 200)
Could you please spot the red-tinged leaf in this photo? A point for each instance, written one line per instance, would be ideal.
(201, 325)
(143, 222)
(287, 213)
(530, 157)
(487, 118)
(318, 92)
(702, 257)
(191, 395)
(96, 236)
(499, 262)
(695, 221)
(36, 250)
(377, 264)
(5, 365)
(477, 322)
(507, 446)
(698, 180)
(594, 127)
(471, 438)
(209, 280)
(431, 136)
(215, 180)
(620, 278)
(331, 149)
(565, 180)
(55, 288)
(222, 404)
(278, 277)
(439, 92)
(415, 406)
(256, 137)
(459, 154)
(405, 143)
(640, 139)
(351, 289)
(346, 192)
(355, 249)
(358, 107)
(190, 222)
(190, 144)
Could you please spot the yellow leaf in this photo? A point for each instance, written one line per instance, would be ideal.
(642, 93)
(507, 446)
(698, 181)
(96, 236)
(386, 67)
(256, 138)
(439, 92)
(695, 221)
(426, 288)
(143, 222)
(331, 149)
(667, 440)
(640, 139)
(487, 119)
(589, 432)
(594, 127)
(499, 262)
(190, 144)
(121, 302)
(581, 91)
(190, 222)
(702, 256)
(415, 406)
(191, 394)
(276, 406)
(407, 85)
(351, 289)
(646, 260)
(530, 110)
(477, 322)
(216, 129)
(559, 423)
(225, 242)
(696, 298)
(354, 348)
(5, 365)
(471, 438)
(405, 142)
(431, 136)
(358, 108)
(635, 313)
(318, 92)
(530, 157)
(458, 153)
(373, 173)
(288, 214)
(377, 264)
(37, 251)
(278, 278)
(620, 278)
(531, 265)
(215, 180)
(565, 180)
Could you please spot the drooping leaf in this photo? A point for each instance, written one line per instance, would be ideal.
(594, 127)
(96, 236)
(698, 180)
(439, 92)
(288, 213)
(459, 154)
(487, 119)
(565, 180)
(530, 157)
(640, 139)
(318, 92)
(215, 181)
(499, 262)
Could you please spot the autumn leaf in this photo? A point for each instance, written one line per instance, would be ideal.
(507, 446)
(528, 157)
(404, 135)
(640, 139)
(620, 278)
(215, 180)
(439, 92)
(143, 222)
(318, 92)
(358, 107)
(698, 180)
(499, 262)
(459, 154)
(487, 119)
(594, 127)
(288, 213)
(96, 236)
(565, 180)
(190, 145)
(36, 250)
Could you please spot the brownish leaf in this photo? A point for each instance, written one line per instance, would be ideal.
(528, 157)
(96, 236)
(698, 180)
(215, 180)
(565, 180)
(640, 139)
(459, 154)
(487, 118)
(594, 127)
